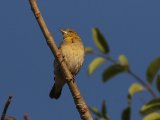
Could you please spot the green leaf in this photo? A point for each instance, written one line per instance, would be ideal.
(113, 70)
(152, 116)
(152, 69)
(100, 40)
(134, 88)
(88, 50)
(151, 106)
(104, 110)
(158, 83)
(126, 114)
(123, 60)
(95, 64)
(95, 111)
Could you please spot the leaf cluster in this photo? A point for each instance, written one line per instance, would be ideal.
(150, 110)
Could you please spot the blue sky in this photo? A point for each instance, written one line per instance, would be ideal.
(131, 27)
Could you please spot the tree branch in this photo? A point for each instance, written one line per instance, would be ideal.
(6, 107)
(78, 99)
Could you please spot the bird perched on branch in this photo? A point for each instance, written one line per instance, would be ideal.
(72, 50)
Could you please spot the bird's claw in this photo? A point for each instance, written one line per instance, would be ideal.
(70, 79)
(59, 55)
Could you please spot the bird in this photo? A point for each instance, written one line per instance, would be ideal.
(73, 52)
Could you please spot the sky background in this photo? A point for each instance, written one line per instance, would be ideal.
(131, 27)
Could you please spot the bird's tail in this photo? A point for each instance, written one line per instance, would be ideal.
(55, 91)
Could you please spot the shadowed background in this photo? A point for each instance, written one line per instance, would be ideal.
(26, 71)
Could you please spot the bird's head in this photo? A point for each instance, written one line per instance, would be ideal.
(69, 35)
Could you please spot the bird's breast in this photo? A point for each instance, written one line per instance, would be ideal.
(73, 55)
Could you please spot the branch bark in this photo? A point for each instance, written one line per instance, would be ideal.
(78, 99)
(6, 107)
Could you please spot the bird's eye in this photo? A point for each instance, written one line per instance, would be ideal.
(70, 31)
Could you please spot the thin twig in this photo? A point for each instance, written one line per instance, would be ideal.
(104, 56)
(130, 72)
(78, 99)
(140, 80)
(6, 107)
(26, 116)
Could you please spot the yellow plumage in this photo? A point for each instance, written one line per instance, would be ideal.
(73, 51)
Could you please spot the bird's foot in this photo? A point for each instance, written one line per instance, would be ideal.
(62, 59)
(70, 79)
(59, 55)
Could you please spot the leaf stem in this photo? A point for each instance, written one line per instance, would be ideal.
(146, 85)
(130, 72)
(105, 57)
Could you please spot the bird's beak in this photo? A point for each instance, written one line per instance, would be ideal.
(63, 31)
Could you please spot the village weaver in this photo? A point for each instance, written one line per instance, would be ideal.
(73, 53)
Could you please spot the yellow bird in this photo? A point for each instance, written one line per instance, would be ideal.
(72, 50)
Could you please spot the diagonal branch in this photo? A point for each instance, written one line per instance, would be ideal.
(6, 107)
(78, 99)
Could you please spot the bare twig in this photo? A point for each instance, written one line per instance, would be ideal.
(78, 99)
(6, 107)
(145, 84)
(26, 116)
